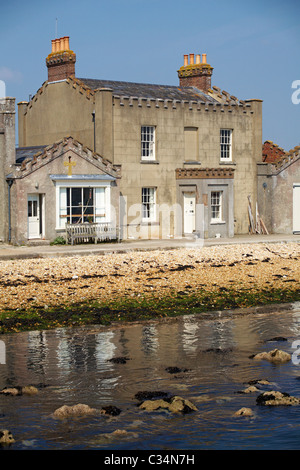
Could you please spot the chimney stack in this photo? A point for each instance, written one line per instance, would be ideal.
(196, 73)
(61, 61)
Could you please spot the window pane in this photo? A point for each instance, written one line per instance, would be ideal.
(100, 209)
(76, 196)
(88, 197)
(34, 209)
(148, 203)
(216, 205)
(225, 144)
(29, 208)
(147, 141)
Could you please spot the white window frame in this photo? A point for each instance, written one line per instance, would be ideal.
(149, 204)
(225, 145)
(216, 207)
(61, 208)
(147, 143)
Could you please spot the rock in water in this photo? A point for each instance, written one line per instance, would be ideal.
(274, 398)
(6, 437)
(110, 410)
(181, 405)
(18, 390)
(276, 356)
(244, 412)
(175, 404)
(66, 411)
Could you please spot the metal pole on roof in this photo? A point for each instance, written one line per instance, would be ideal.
(94, 121)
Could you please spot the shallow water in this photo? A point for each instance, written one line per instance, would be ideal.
(72, 366)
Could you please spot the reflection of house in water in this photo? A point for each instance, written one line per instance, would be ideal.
(104, 346)
(149, 344)
(79, 358)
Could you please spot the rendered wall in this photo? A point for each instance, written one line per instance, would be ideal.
(7, 160)
(39, 182)
(275, 194)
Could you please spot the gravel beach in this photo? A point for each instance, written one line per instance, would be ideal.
(56, 281)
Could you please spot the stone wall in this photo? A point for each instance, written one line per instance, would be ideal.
(275, 191)
(7, 160)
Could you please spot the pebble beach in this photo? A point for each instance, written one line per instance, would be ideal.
(51, 282)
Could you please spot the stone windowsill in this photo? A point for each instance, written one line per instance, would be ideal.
(227, 163)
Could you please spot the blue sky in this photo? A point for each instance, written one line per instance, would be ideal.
(254, 47)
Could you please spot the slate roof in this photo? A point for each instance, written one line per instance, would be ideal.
(27, 152)
(144, 90)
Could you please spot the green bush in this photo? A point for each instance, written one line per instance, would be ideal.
(58, 241)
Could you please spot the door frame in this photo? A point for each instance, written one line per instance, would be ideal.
(39, 198)
(193, 222)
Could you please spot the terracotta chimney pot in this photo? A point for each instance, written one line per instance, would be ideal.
(185, 60)
(57, 45)
(197, 75)
(62, 65)
(66, 43)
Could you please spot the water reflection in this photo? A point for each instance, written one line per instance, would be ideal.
(104, 347)
(75, 366)
(149, 340)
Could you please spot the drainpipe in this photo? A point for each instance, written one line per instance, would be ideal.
(94, 121)
(10, 183)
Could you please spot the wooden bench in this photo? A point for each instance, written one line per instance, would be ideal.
(88, 232)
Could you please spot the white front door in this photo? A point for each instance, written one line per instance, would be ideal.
(189, 207)
(296, 208)
(33, 214)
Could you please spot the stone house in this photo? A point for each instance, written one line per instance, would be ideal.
(46, 190)
(279, 192)
(167, 161)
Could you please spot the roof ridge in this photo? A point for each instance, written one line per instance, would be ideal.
(56, 150)
(148, 90)
(133, 83)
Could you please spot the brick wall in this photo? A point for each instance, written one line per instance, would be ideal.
(61, 66)
(202, 82)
